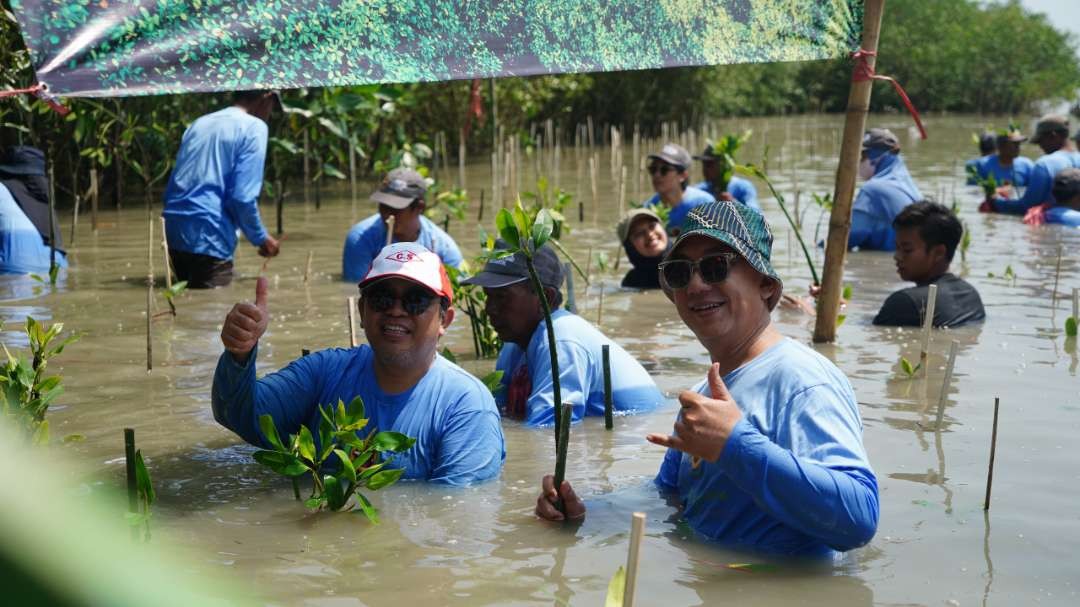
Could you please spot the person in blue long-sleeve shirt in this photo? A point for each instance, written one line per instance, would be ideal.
(713, 167)
(1066, 191)
(406, 387)
(25, 216)
(888, 189)
(669, 170)
(214, 189)
(1007, 166)
(766, 453)
(1052, 135)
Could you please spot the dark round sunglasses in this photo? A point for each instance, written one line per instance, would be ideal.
(414, 301)
(714, 267)
(663, 169)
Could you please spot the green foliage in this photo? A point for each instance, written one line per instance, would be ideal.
(450, 203)
(471, 300)
(339, 445)
(171, 293)
(616, 588)
(27, 392)
(725, 150)
(754, 171)
(989, 184)
(493, 381)
(140, 520)
(555, 203)
(965, 242)
(1070, 326)
(908, 369)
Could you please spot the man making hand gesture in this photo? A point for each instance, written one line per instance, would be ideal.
(767, 452)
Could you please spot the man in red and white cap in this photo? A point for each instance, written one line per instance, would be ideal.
(405, 307)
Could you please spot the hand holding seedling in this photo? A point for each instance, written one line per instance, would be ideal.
(246, 323)
(704, 424)
(546, 503)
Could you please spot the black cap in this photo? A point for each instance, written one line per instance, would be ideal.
(513, 269)
(22, 160)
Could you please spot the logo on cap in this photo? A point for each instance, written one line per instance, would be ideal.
(402, 256)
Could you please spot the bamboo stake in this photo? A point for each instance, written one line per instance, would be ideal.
(592, 181)
(350, 304)
(149, 293)
(74, 221)
(557, 161)
(571, 301)
(637, 532)
(352, 174)
(945, 384)
(279, 203)
(1076, 304)
(480, 211)
(168, 259)
(609, 405)
(600, 306)
(132, 483)
(1057, 275)
(495, 179)
(389, 230)
(562, 445)
(307, 167)
(993, 450)
(840, 217)
(94, 200)
(622, 192)
(461, 159)
(52, 227)
(307, 267)
(928, 324)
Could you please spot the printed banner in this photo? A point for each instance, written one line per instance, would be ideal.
(91, 48)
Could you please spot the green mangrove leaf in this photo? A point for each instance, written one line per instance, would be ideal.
(335, 493)
(504, 222)
(283, 463)
(905, 366)
(542, 228)
(354, 413)
(615, 588)
(448, 355)
(391, 441)
(1070, 326)
(365, 506)
(306, 444)
(384, 478)
(314, 502)
(142, 479)
(269, 430)
(346, 465)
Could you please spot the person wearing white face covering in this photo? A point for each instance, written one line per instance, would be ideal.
(888, 189)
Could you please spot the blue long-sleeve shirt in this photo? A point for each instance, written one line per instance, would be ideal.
(368, 237)
(22, 249)
(879, 201)
(214, 187)
(581, 372)
(1017, 174)
(691, 197)
(1063, 215)
(449, 412)
(739, 188)
(793, 477)
(1039, 187)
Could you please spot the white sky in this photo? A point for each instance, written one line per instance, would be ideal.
(1063, 14)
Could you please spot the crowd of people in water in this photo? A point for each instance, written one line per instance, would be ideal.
(766, 452)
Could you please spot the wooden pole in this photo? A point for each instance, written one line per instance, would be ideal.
(592, 181)
(928, 323)
(389, 230)
(307, 267)
(52, 227)
(480, 211)
(622, 192)
(993, 450)
(571, 301)
(93, 200)
(840, 218)
(637, 532)
(1076, 304)
(165, 251)
(279, 203)
(562, 445)
(609, 405)
(1057, 276)
(945, 384)
(350, 305)
(307, 166)
(352, 173)
(74, 221)
(600, 306)
(149, 292)
(461, 159)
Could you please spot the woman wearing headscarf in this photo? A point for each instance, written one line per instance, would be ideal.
(888, 189)
(646, 243)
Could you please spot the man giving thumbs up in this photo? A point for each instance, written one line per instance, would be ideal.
(766, 453)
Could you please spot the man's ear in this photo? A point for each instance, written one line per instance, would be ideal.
(447, 318)
(938, 253)
(768, 288)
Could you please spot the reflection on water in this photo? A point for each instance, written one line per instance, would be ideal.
(481, 545)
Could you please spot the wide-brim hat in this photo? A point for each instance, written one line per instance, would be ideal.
(739, 227)
(623, 229)
(413, 262)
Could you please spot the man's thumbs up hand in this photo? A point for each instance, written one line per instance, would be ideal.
(704, 423)
(246, 323)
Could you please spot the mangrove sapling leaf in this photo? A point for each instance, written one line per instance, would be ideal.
(448, 355)
(384, 478)
(493, 381)
(754, 171)
(269, 430)
(1070, 326)
(306, 444)
(25, 389)
(395, 442)
(284, 464)
(146, 497)
(909, 369)
(615, 588)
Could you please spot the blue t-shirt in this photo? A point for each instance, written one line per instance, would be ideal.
(581, 372)
(1018, 174)
(1064, 216)
(880, 200)
(739, 188)
(1040, 184)
(793, 477)
(691, 198)
(22, 249)
(368, 237)
(449, 412)
(214, 187)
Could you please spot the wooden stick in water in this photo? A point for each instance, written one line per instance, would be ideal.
(480, 211)
(1057, 275)
(350, 305)
(637, 532)
(307, 267)
(571, 301)
(592, 180)
(74, 220)
(149, 293)
(389, 230)
(561, 447)
(93, 200)
(461, 159)
(928, 324)
(168, 260)
(993, 450)
(945, 384)
(52, 228)
(600, 306)
(622, 192)
(609, 405)
(1076, 304)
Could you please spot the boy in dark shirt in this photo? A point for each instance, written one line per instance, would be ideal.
(927, 234)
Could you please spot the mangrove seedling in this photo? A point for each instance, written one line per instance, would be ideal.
(471, 300)
(616, 588)
(989, 184)
(448, 204)
(338, 440)
(170, 293)
(140, 520)
(555, 202)
(965, 241)
(602, 262)
(27, 392)
(1070, 326)
(845, 296)
(725, 149)
(754, 171)
(909, 369)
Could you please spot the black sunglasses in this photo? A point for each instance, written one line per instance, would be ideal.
(414, 301)
(714, 267)
(663, 169)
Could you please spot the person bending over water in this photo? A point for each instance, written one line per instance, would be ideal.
(767, 452)
(527, 390)
(400, 196)
(24, 214)
(646, 243)
(1066, 210)
(888, 189)
(405, 307)
(669, 170)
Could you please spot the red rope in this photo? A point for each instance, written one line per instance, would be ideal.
(476, 106)
(863, 71)
(39, 91)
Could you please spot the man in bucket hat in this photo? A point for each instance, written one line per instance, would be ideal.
(767, 452)
(1052, 136)
(527, 390)
(400, 196)
(405, 307)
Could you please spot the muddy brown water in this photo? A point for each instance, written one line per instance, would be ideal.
(482, 545)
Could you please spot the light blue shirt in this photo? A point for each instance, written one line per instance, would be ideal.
(214, 187)
(581, 372)
(793, 477)
(449, 412)
(1018, 174)
(22, 249)
(691, 198)
(739, 188)
(1064, 216)
(1040, 185)
(368, 237)
(880, 200)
